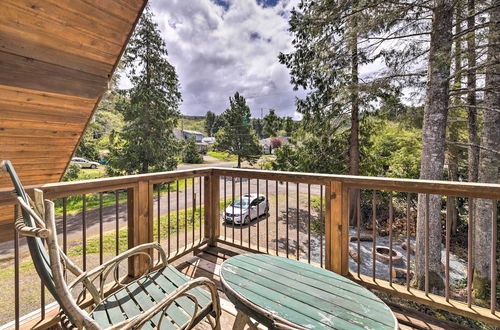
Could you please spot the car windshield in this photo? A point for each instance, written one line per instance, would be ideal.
(243, 202)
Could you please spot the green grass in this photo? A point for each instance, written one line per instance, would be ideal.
(109, 239)
(90, 174)
(74, 204)
(224, 156)
(193, 123)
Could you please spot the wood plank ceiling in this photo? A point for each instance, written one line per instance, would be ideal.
(56, 57)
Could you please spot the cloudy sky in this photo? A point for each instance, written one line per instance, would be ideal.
(219, 47)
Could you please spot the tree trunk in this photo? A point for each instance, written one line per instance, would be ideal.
(473, 150)
(239, 161)
(354, 134)
(433, 145)
(454, 123)
(489, 162)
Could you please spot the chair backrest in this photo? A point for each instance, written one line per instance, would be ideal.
(35, 244)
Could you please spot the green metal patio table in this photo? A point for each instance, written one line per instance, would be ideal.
(281, 293)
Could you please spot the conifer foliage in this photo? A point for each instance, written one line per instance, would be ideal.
(151, 110)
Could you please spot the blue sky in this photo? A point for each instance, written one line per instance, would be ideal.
(222, 46)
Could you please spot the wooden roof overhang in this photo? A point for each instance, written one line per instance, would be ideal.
(56, 58)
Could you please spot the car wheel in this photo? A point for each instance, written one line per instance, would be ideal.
(93, 166)
(247, 220)
(266, 210)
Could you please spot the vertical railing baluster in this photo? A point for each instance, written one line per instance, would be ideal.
(470, 246)
(309, 223)
(426, 252)
(321, 225)
(267, 216)
(258, 215)
(286, 215)
(447, 247)
(84, 237)
(298, 224)
(358, 228)
(277, 218)
(185, 214)
(194, 206)
(177, 234)
(224, 216)
(249, 213)
(232, 201)
(101, 229)
(374, 234)
(493, 262)
(408, 243)
(16, 271)
(42, 300)
(117, 228)
(200, 181)
(168, 219)
(391, 216)
(158, 205)
(241, 211)
(65, 226)
(84, 232)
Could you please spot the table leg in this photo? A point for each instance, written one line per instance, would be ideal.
(242, 319)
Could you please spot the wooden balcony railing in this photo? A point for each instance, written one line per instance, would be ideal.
(315, 218)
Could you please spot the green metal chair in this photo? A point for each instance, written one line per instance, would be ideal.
(164, 298)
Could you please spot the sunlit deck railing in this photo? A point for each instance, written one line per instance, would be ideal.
(308, 219)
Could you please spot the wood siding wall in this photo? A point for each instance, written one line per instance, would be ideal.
(56, 57)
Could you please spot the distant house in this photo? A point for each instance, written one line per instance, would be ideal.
(269, 145)
(185, 134)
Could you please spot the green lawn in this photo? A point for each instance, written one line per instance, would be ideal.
(224, 156)
(74, 204)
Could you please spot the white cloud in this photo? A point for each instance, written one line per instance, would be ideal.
(217, 52)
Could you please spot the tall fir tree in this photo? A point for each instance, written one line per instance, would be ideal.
(210, 119)
(151, 113)
(271, 124)
(237, 136)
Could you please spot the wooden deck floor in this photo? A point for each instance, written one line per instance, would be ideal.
(207, 263)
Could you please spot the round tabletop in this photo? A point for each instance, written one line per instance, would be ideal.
(279, 291)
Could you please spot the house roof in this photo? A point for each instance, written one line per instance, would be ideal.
(56, 58)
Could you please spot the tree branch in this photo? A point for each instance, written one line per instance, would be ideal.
(466, 145)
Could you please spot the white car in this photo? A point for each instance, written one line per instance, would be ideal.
(84, 163)
(246, 208)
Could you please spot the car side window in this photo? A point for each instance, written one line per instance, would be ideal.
(255, 202)
(261, 199)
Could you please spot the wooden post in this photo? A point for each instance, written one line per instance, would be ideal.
(212, 208)
(337, 228)
(140, 224)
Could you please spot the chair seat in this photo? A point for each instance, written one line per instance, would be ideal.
(141, 295)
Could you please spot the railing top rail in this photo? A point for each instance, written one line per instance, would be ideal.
(64, 189)
(452, 188)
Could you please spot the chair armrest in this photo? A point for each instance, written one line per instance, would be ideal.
(101, 272)
(139, 320)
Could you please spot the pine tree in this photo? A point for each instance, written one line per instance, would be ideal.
(151, 112)
(272, 124)
(210, 119)
(237, 136)
(191, 154)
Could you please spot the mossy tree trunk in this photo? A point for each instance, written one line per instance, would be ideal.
(433, 145)
(488, 162)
